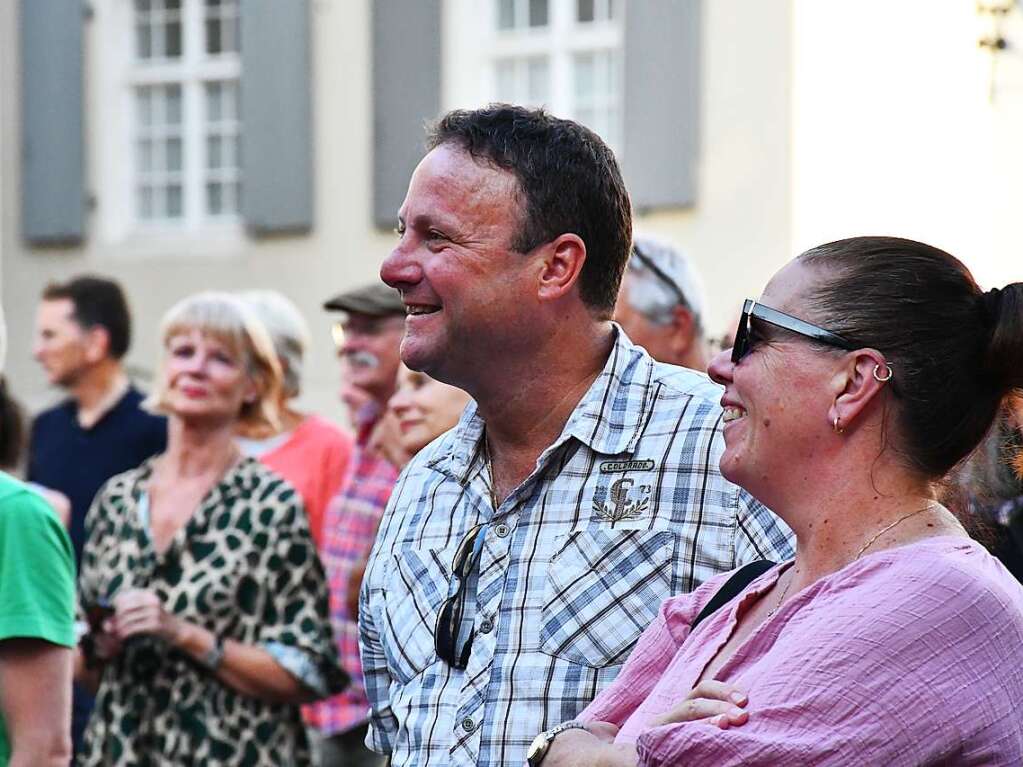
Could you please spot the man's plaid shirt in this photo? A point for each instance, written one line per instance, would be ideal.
(624, 509)
(349, 529)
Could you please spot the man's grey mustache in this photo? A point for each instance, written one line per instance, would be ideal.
(362, 359)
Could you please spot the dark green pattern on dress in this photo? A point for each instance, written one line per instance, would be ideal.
(244, 567)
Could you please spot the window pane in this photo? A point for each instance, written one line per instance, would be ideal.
(172, 114)
(214, 155)
(145, 156)
(172, 40)
(215, 198)
(230, 101)
(213, 44)
(584, 10)
(539, 78)
(504, 74)
(230, 151)
(212, 3)
(145, 202)
(506, 14)
(142, 5)
(174, 154)
(145, 107)
(172, 5)
(174, 200)
(538, 13)
(144, 41)
(233, 34)
(213, 102)
(584, 78)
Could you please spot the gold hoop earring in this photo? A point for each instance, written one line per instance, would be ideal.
(837, 427)
(887, 378)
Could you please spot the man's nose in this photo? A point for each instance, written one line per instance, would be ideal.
(401, 268)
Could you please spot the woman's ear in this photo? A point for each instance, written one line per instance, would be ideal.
(858, 380)
(563, 259)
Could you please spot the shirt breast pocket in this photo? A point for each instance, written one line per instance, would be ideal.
(413, 594)
(604, 587)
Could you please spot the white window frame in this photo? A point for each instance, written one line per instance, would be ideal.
(114, 74)
(473, 45)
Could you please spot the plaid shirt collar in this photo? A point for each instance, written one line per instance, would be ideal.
(603, 420)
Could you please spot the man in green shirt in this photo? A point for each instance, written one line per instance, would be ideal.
(36, 630)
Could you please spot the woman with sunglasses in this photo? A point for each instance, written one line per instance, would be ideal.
(867, 370)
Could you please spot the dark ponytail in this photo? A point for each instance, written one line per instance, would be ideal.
(956, 351)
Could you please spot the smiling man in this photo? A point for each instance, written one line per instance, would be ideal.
(522, 554)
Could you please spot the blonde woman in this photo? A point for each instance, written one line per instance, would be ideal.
(199, 577)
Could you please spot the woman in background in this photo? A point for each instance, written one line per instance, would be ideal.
(207, 602)
(423, 409)
(309, 452)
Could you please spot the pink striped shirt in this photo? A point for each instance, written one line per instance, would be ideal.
(910, 656)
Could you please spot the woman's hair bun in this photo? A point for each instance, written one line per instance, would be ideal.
(1002, 313)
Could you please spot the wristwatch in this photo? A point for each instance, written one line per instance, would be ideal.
(212, 658)
(542, 742)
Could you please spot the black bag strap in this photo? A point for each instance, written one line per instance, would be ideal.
(740, 579)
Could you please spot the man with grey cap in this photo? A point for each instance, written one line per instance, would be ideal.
(367, 337)
(661, 304)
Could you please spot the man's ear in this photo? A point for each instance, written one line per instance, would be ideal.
(562, 263)
(97, 343)
(856, 386)
(683, 331)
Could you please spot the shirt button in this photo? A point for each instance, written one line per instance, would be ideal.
(486, 627)
(468, 724)
(502, 530)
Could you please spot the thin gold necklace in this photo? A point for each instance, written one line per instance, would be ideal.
(859, 553)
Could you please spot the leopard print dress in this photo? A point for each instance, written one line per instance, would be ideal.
(244, 567)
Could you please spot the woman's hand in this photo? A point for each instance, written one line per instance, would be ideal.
(140, 611)
(721, 703)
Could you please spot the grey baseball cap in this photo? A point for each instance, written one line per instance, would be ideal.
(375, 300)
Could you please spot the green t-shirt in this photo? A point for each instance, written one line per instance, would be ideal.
(37, 574)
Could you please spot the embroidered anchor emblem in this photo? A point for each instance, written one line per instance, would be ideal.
(618, 506)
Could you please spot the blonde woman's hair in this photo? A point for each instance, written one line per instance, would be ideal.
(232, 322)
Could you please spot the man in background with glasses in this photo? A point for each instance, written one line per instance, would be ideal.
(367, 339)
(661, 305)
(524, 551)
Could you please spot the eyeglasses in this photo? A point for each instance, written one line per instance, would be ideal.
(449, 618)
(659, 273)
(368, 326)
(741, 346)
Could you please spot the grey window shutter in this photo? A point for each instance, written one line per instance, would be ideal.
(276, 112)
(661, 102)
(406, 94)
(52, 141)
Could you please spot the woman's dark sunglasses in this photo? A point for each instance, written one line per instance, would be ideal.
(449, 618)
(741, 345)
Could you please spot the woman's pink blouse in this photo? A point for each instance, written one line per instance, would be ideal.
(911, 656)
